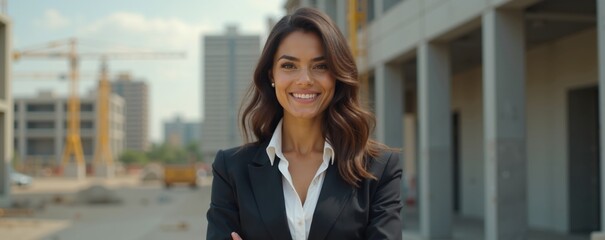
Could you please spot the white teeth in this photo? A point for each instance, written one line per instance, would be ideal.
(305, 95)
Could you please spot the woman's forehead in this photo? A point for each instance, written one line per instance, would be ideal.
(302, 45)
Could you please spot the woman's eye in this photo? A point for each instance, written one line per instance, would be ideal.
(287, 66)
(321, 67)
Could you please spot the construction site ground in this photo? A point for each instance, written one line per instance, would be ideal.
(49, 210)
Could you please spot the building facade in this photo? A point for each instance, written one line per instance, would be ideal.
(229, 62)
(179, 133)
(496, 106)
(136, 99)
(40, 128)
(6, 110)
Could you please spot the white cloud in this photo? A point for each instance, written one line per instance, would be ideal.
(166, 32)
(52, 20)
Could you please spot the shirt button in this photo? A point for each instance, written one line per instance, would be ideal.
(300, 222)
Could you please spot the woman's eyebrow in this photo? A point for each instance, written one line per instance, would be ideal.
(317, 59)
(287, 57)
(291, 58)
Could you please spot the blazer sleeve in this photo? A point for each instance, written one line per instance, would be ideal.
(385, 218)
(223, 214)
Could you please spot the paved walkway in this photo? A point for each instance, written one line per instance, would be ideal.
(472, 229)
(146, 212)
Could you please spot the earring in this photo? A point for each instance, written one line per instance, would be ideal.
(272, 84)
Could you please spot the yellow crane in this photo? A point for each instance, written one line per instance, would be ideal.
(357, 15)
(73, 144)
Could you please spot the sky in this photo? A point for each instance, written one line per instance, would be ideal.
(132, 26)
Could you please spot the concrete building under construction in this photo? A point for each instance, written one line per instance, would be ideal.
(496, 106)
(40, 126)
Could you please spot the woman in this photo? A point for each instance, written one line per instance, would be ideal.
(312, 172)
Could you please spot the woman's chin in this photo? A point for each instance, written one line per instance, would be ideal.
(305, 115)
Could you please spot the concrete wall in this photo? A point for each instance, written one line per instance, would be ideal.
(467, 100)
(552, 69)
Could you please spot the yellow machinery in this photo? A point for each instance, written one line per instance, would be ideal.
(357, 33)
(73, 144)
(180, 173)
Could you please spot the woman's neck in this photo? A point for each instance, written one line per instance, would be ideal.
(302, 136)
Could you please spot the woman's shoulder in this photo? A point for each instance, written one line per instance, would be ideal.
(243, 150)
(238, 154)
(385, 155)
(386, 160)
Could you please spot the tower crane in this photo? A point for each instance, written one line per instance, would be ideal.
(357, 34)
(73, 144)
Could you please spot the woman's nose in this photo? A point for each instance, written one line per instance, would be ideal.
(305, 77)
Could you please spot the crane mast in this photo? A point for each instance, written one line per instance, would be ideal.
(73, 142)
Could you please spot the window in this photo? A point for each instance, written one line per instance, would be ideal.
(40, 107)
(40, 125)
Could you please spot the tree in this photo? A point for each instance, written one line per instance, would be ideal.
(133, 157)
(194, 151)
(165, 153)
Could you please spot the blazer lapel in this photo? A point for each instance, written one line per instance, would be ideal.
(266, 181)
(335, 194)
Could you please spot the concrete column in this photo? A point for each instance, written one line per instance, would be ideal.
(75, 171)
(504, 121)
(104, 170)
(22, 132)
(321, 5)
(434, 120)
(601, 64)
(305, 3)
(389, 105)
(377, 8)
(59, 138)
(341, 16)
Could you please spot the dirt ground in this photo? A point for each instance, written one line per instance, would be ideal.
(144, 211)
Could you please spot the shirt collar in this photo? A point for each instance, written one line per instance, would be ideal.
(274, 148)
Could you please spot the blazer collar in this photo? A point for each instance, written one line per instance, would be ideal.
(267, 188)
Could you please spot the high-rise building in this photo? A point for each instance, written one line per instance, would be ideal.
(40, 127)
(6, 113)
(180, 133)
(229, 61)
(136, 98)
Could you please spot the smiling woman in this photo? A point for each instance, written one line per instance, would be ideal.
(311, 171)
(302, 82)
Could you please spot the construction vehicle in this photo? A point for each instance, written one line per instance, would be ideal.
(180, 174)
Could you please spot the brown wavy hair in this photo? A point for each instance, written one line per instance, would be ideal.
(346, 125)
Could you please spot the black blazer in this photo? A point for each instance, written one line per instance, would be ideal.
(247, 198)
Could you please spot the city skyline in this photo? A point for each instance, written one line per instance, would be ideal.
(174, 84)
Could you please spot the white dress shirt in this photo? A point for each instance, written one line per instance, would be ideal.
(299, 215)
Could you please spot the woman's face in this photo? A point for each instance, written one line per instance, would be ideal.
(303, 83)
